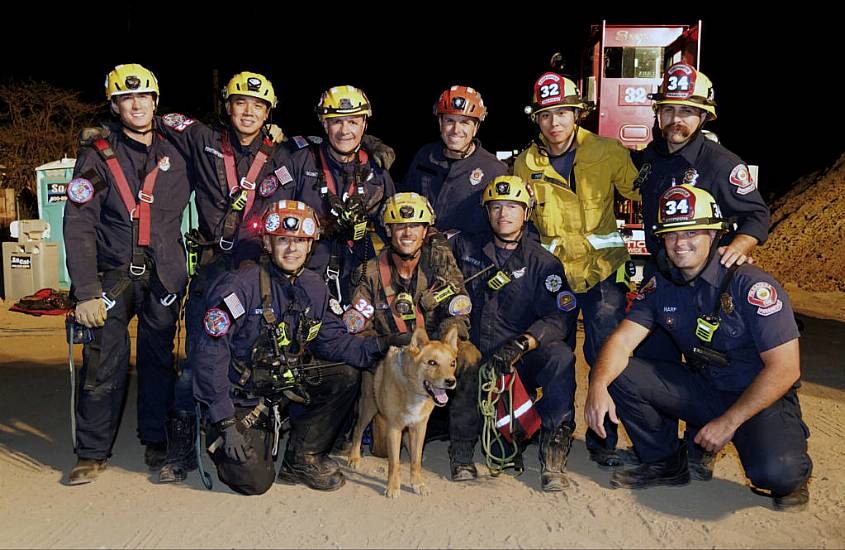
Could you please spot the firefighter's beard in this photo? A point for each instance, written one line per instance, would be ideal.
(677, 133)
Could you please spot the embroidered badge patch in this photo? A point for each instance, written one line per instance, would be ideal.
(765, 297)
(647, 288)
(354, 321)
(272, 222)
(283, 175)
(216, 322)
(308, 227)
(566, 301)
(476, 176)
(460, 305)
(177, 121)
(364, 307)
(553, 283)
(300, 142)
(268, 186)
(80, 190)
(741, 177)
(164, 164)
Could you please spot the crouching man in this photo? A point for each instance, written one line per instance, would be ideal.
(265, 325)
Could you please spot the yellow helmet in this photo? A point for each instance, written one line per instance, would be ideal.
(684, 85)
(130, 79)
(508, 188)
(685, 207)
(407, 208)
(341, 101)
(252, 85)
(553, 90)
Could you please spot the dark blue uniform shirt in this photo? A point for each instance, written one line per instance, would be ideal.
(761, 318)
(203, 144)
(709, 166)
(454, 187)
(98, 232)
(306, 169)
(233, 334)
(537, 300)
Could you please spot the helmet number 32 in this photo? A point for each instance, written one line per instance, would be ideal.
(549, 90)
(674, 207)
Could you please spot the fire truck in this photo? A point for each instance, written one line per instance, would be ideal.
(622, 65)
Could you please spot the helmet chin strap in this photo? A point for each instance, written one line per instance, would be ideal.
(666, 266)
(465, 152)
(694, 133)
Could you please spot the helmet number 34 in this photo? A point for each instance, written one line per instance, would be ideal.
(674, 207)
(678, 83)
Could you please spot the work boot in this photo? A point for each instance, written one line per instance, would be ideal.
(316, 471)
(672, 470)
(701, 465)
(554, 448)
(181, 449)
(154, 455)
(461, 465)
(86, 471)
(796, 501)
(613, 458)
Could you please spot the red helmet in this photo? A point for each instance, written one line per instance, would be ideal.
(553, 90)
(461, 100)
(291, 219)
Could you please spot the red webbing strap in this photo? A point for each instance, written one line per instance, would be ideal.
(113, 165)
(390, 294)
(229, 162)
(265, 151)
(363, 158)
(146, 199)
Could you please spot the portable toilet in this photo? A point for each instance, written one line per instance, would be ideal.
(52, 179)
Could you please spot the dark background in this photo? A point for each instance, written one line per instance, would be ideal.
(777, 81)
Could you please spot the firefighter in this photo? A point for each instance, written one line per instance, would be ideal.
(741, 371)
(239, 169)
(575, 174)
(522, 312)
(682, 154)
(413, 280)
(452, 173)
(272, 315)
(125, 258)
(344, 185)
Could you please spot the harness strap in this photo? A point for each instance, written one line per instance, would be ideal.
(386, 279)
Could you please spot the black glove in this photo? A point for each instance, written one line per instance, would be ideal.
(508, 353)
(235, 445)
(398, 340)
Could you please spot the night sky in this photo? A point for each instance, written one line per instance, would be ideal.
(771, 79)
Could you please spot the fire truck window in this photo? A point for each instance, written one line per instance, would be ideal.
(632, 62)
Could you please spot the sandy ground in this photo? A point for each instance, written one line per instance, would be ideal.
(126, 508)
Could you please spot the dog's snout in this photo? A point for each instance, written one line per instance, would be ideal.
(451, 383)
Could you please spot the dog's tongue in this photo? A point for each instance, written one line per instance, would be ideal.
(440, 396)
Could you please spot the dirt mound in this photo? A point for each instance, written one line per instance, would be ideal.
(808, 227)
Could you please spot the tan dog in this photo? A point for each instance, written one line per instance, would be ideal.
(405, 388)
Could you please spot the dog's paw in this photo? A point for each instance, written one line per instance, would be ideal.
(353, 462)
(421, 489)
(391, 492)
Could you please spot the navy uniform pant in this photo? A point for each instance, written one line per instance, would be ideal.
(650, 398)
(103, 392)
(550, 367)
(602, 308)
(256, 475)
(194, 314)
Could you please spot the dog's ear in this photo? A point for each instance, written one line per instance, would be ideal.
(451, 338)
(418, 339)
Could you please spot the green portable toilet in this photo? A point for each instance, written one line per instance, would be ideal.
(52, 179)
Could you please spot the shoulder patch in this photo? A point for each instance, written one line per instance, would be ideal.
(364, 307)
(566, 301)
(354, 321)
(741, 178)
(553, 283)
(300, 142)
(519, 273)
(216, 322)
(80, 190)
(460, 305)
(316, 140)
(268, 186)
(765, 297)
(177, 121)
